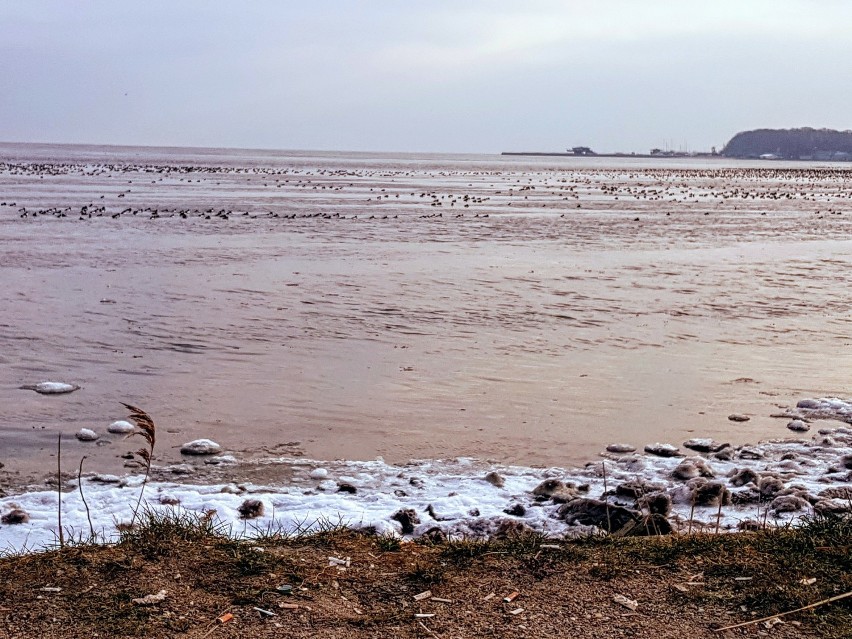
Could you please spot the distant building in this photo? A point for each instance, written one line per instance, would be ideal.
(581, 150)
(668, 154)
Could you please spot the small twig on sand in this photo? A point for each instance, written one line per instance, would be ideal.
(782, 614)
(59, 488)
(426, 628)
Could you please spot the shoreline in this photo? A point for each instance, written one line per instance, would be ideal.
(703, 485)
(667, 156)
(638, 156)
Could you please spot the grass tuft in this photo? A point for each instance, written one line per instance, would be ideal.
(462, 551)
(388, 542)
(159, 532)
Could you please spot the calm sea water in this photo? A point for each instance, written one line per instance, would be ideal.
(344, 305)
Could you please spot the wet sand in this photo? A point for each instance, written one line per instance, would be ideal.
(347, 306)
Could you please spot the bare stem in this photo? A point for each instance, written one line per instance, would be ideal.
(719, 514)
(141, 492)
(83, 497)
(691, 515)
(606, 499)
(789, 612)
(59, 489)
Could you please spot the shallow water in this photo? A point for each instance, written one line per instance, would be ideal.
(533, 336)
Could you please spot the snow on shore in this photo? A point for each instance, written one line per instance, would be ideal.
(770, 482)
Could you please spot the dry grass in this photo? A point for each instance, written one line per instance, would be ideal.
(684, 584)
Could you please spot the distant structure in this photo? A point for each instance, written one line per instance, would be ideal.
(791, 144)
(659, 153)
(581, 150)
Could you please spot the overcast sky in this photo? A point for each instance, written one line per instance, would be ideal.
(403, 75)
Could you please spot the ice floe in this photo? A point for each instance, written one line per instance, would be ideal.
(51, 388)
(822, 408)
(86, 435)
(201, 447)
(121, 427)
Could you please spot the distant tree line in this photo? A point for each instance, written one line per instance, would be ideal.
(791, 144)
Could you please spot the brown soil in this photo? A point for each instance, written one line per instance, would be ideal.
(685, 587)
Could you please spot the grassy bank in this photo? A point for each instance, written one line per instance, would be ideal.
(683, 585)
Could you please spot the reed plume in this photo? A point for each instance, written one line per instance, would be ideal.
(148, 431)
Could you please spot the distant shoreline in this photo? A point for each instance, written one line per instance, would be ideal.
(662, 156)
(646, 156)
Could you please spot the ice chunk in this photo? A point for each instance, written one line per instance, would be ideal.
(52, 388)
(121, 427)
(201, 447)
(86, 435)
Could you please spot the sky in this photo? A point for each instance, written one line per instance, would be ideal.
(421, 76)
